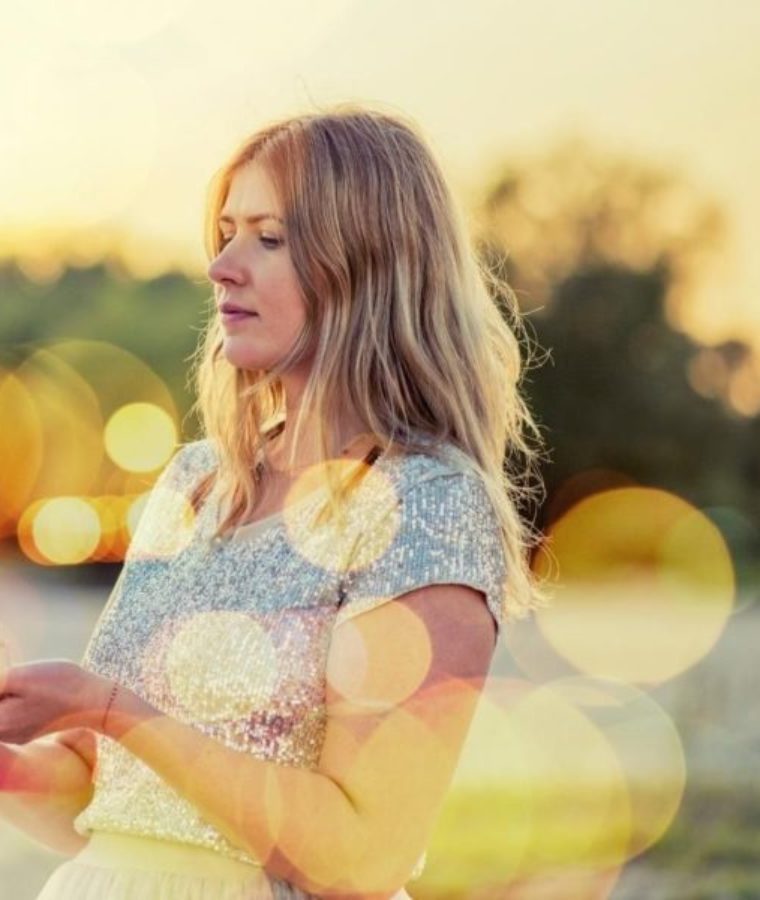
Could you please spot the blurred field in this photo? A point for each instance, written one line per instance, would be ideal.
(709, 851)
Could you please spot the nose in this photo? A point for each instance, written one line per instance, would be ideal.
(223, 269)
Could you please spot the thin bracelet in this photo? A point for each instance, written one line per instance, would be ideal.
(114, 691)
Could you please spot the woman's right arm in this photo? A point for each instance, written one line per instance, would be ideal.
(45, 784)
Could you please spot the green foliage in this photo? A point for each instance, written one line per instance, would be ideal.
(602, 252)
(158, 320)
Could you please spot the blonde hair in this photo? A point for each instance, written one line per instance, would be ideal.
(395, 296)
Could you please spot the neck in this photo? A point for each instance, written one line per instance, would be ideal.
(350, 433)
(351, 439)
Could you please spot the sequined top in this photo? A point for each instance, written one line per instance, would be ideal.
(231, 637)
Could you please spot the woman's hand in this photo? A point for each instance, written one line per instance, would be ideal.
(43, 697)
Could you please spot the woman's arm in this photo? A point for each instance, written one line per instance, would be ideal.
(45, 784)
(359, 822)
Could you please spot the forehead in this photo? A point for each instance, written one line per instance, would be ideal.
(251, 196)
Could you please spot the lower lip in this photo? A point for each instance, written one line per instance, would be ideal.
(229, 317)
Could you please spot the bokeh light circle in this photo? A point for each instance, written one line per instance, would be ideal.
(361, 672)
(247, 679)
(140, 437)
(21, 450)
(324, 541)
(66, 530)
(575, 776)
(645, 588)
(164, 523)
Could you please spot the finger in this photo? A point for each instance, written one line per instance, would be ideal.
(8, 679)
(14, 727)
(16, 677)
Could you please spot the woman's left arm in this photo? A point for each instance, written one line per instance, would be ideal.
(403, 683)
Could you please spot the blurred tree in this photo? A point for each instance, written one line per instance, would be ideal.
(575, 208)
(157, 320)
(601, 254)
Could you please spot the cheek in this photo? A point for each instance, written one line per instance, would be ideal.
(283, 296)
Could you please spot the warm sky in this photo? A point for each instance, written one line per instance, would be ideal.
(114, 115)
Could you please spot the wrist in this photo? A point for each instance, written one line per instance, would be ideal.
(93, 705)
(110, 700)
(119, 710)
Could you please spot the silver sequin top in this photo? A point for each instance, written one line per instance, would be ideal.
(232, 637)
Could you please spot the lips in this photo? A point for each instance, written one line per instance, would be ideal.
(232, 309)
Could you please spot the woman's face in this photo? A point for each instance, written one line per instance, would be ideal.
(254, 272)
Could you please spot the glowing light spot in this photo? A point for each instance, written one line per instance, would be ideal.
(359, 669)
(110, 511)
(399, 811)
(163, 522)
(134, 512)
(647, 746)
(71, 426)
(140, 437)
(542, 781)
(245, 682)
(579, 799)
(81, 401)
(66, 530)
(20, 450)
(323, 539)
(646, 585)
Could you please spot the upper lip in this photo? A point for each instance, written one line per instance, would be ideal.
(228, 307)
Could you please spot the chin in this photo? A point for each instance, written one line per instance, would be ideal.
(243, 356)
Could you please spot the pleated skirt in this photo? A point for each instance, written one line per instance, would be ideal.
(128, 867)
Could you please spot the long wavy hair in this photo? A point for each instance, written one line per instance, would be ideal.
(402, 314)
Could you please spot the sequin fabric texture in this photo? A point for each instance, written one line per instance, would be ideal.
(232, 636)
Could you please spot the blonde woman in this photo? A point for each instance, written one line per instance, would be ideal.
(277, 692)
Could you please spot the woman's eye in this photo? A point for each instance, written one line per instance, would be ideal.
(267, 240)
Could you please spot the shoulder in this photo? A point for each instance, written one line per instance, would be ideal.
(189, 462)
(439, 471)
(166, 520)
(435, 490)
(426, 457)
(446, 494)
(179, 477)
(198, 455)
(428, 519)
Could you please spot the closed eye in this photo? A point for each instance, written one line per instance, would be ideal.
(267, 240)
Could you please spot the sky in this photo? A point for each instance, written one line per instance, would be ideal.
(115, 116)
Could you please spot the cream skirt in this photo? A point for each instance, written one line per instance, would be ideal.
(127, 867)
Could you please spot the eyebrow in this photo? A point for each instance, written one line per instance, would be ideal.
(250, 220)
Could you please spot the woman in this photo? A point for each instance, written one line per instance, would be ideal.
(277, 692)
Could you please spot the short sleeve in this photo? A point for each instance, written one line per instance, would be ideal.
(442, 530)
